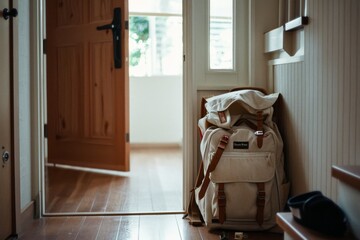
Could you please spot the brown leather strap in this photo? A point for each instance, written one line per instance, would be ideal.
(214, 161)
(222, 116)
(260, 130)
(260, 203)
(221, 203)
(193, 212)
(200, 175)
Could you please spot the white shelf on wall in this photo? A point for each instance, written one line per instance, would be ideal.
(286, 43)
(274, 40)
(296, 23)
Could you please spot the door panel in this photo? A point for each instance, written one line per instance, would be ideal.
(102, 91)
(5, 126)
(87, 95)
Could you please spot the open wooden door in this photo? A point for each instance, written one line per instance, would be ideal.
(87, 83)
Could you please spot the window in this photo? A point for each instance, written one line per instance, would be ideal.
(226, 65)
(221, 35)
(155, 44)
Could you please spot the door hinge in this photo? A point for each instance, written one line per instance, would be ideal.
(127, 137)
(184, 58)
(44, 46)
(127, 24)
(45, 130)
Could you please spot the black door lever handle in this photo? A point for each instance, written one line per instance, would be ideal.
(105, 27)
(9, 13)
(115, 26)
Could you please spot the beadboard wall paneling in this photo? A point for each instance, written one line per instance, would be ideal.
(320, 107)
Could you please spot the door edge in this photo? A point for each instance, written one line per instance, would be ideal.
(38, 90)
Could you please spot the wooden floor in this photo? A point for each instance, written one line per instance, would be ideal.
(154, 184)
(150, 227)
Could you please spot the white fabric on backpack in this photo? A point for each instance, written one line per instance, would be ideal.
(239, 104)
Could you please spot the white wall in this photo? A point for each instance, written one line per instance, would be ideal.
(320, 111)
(263, 18)
(24, 93)
(156, 112)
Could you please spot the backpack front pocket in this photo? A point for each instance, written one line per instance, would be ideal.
(248, 181)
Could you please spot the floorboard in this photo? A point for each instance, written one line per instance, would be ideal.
(147, 227)
(154, 184)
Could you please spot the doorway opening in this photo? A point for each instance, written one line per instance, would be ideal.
(154, 182)
(156, 119)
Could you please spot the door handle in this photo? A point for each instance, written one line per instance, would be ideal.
(115, 26)
(9, 13)
(5, 156)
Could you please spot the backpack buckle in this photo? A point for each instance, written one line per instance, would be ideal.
(223, 142)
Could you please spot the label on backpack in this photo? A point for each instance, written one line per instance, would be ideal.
(240, 145)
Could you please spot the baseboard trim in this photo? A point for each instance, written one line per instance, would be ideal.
(26, 217)
(155, 145)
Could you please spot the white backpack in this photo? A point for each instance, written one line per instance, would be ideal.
(241, 183)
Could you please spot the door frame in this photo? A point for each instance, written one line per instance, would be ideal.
(14, 137)
(21, 216)
(39, 105)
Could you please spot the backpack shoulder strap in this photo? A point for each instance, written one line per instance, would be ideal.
(193, 213)
(214, 161)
